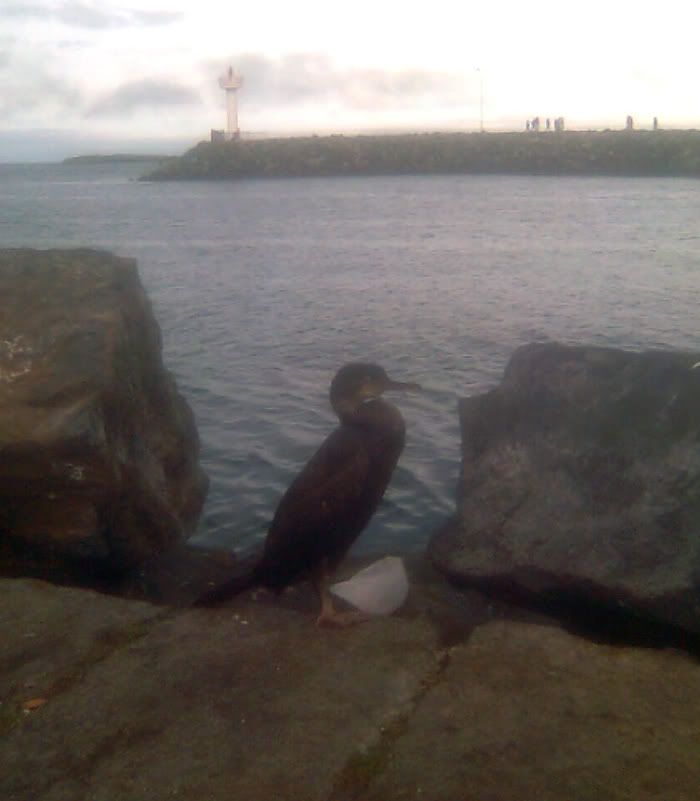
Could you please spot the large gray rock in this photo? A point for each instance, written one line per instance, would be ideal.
(104, 699)
(581, 481)
(98, 452)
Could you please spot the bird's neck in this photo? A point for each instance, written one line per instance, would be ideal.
(376, 414)
(345, 408)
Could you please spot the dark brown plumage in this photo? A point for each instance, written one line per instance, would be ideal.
(332, 500)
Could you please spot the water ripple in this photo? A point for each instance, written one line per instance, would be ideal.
(264, 288)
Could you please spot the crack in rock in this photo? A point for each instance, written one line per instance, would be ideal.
(365, 765)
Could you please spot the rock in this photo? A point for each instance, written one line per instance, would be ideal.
(252, 701)
(581, 482)
(98, 452)
(249, 702)
(525, 711)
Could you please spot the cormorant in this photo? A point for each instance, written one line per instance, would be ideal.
(331, 501)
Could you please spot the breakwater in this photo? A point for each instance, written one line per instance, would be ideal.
(629, 153)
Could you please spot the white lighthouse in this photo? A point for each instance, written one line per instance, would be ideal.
(231, 83)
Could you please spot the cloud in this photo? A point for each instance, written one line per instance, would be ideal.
(300, 78)
(72, 44)
(85, 14)
(373, 89)
(143, 94)
(155, 17)
(32, 87)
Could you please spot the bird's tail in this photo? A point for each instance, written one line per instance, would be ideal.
(244, 578)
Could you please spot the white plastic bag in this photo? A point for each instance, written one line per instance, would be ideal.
(379, 589)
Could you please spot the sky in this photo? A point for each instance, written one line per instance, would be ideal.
(82, 76)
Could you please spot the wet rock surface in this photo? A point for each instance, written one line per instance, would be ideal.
(581, 482)
(454, 698)
(98, 451)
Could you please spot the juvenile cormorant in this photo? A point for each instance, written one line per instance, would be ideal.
(331, 501)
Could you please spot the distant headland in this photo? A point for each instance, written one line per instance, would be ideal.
(628, 153)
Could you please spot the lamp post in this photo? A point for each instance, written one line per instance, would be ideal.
(481, 99)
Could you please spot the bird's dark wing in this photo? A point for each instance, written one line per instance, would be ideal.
(323, 510)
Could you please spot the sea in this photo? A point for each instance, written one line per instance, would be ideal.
(264, 288)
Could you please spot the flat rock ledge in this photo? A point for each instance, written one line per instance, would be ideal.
(104, 699)
(99, 454)
(581, 483)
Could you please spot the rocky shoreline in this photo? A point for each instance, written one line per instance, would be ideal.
(456, 697)
(549, 648)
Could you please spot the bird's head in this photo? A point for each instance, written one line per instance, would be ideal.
(358, 382)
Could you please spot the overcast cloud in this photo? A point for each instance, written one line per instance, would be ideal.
(33, 89)
(314, 78)
(144, 94)
(86, 15)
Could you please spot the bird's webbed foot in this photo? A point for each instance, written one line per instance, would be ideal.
(330, 616)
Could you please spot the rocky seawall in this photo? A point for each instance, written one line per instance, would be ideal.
(560, 660)
(633, 153)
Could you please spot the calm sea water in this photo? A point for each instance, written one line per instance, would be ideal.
(264, 288)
